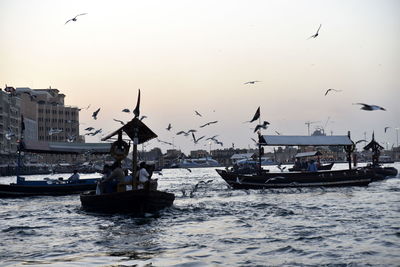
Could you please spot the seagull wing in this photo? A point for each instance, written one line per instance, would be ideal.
(67, 21)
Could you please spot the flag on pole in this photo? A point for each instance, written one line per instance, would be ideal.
(256, 115)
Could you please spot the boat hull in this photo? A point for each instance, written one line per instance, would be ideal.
(357, 177)
(133, 202)
(382, 173)
(40, 188)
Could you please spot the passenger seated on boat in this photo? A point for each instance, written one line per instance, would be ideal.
(74, 177)
(312, 167)
(110, 182)
(297, 164)
(144, 176)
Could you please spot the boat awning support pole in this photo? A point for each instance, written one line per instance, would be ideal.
(134, 155)
(349, 151)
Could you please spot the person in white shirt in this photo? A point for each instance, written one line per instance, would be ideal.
(143, 175)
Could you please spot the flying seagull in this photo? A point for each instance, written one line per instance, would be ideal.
(167, 143)
(192, 131)
(94, 115)
(75, 18)
(9, 134)
(387, 127)
(182, 132)
(252, 82)
(316, 34)
(136, 111)
(197, 113)
(126, 110)
(212, 138)
(119, 121)
(196, 140)
(143, 117)
(369, 107)
(331, 89)
(278, 133)
(89, 129)
(169, 127)
(54, 131)
(261, 126)
(208, 123)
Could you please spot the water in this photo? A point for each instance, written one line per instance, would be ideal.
(211, 226)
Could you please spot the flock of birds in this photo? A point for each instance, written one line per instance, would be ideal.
(92, 131)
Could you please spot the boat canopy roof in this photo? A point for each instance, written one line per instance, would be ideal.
(299, 140)
(308, 154)
(144, 133)
(66, 148)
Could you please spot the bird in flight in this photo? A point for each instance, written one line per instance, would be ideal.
(369, 107)
(331, 89)
(119, 121)
(197, 113)
(75, 18)
(54, 131)
(167, 143)
(252, 82)
(278, 133)
(94, 115)
(256, 116)
(316, 34)
(169, 127)
(261, 126)
(191, 131)
(143, 117)
(182, 132)
(208, 123)
(95, 132)
(79, 109)
(212, 138)
(196, 140)
(89, 129)
(126, 110)
(386, 128)
(9, 134)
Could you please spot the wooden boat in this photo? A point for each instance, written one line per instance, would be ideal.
(135, 201)
(380, 171)
(265, 179)
(46, 187)
(355, 177)
(51, 187)
(129, 200)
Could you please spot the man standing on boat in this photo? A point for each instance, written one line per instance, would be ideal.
(312, 167)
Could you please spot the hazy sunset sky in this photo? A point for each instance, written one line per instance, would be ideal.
(197, 55)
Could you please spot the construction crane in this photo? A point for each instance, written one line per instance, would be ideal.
(308, 123)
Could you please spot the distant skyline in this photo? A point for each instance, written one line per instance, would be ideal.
(187, 56)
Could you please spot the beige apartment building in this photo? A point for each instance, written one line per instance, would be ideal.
(47, 118)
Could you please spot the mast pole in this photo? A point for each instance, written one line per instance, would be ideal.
(349, 152)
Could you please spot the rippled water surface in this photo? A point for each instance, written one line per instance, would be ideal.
(210, 226)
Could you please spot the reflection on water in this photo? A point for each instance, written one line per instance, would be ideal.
(210, 225)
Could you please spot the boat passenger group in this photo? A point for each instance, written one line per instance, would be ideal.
(117, 179)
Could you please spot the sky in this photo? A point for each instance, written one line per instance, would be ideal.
(197, 55)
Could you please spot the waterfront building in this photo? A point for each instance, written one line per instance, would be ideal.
(55, 122)
(10, 126)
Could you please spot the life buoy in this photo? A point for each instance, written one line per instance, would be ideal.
(119, 150)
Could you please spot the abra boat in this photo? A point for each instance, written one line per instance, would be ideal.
(265, 179)
(128, 199)
(381, 172)
(47, 187)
